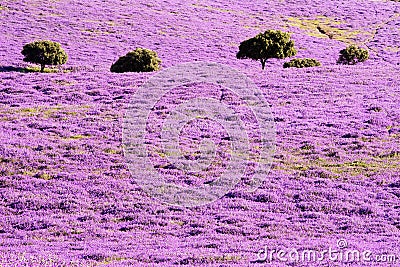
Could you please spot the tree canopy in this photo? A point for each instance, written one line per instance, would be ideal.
(44, 53)
(270, 44)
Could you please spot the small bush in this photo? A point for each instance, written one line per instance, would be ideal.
(352, 55)
(44, 53)
(139, 60)
(302, 63)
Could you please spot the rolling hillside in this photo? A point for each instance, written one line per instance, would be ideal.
(67, 195)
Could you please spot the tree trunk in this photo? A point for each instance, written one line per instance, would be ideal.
(41, 67)
(263, 63)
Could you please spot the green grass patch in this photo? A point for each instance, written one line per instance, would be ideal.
(58, 111)
(390, 155)
(37, 69)
(324, 27)
(80, 136)
(44, 176)
(112, 151)
(295, 163)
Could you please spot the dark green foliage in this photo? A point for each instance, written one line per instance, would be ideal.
(44, 53)
(270, 44)
(302, 63)
(352, 55)
(139, 60)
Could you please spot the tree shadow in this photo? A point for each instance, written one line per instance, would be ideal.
(13, 69)
(26, 69)
(29, 69)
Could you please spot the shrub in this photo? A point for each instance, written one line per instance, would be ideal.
(270, 44)
(352, 55)
(302, 63)
(44, 53)
(139, 60)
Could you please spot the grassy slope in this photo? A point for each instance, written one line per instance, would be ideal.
(66, 190)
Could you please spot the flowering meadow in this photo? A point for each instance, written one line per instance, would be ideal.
(68, 197)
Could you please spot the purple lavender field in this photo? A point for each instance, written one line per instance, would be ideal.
(69, 199)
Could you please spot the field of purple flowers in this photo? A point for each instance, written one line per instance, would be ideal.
(67, 196)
